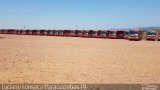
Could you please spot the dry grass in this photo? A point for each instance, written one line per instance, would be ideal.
(43, 59)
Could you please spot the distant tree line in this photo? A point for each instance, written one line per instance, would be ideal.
(145, 29)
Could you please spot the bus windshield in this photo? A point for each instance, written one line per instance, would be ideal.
(72, 31)
(94, 32)
(120, 32)
(102, 32)
(78, 32)
(133, 32)
(151, 33)
(113, 33)
(126, 33)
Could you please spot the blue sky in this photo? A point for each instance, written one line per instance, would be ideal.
(79, 14)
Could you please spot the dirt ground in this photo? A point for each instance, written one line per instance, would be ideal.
(48, 59)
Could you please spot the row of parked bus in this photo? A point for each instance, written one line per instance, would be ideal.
(153, 35)
(112, 34)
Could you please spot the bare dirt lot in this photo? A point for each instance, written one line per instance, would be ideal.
(44, 59)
